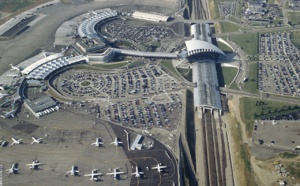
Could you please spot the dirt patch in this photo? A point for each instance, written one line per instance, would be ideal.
(237, 162)
(26, 127)
(234, 105)
(266, 173)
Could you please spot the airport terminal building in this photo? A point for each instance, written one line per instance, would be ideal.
(203, 55)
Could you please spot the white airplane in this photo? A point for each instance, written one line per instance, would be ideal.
(116, 142)
(1, 88)
(3, 95)
(2, 143)
(94, 175)
(73, 172)
(34, 165)
(35, 140)
(13, 169)
(16, 141)
(97, 143)
(115, 173)
(137, 173)
(159, 167)
(15, 67)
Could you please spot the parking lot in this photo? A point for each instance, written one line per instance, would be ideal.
(226, 7)
(115, 84)
(279, 68)
(145, 114)
(277, 134)
(139, 34)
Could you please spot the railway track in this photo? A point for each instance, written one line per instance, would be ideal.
(199, 11)
(214, 152)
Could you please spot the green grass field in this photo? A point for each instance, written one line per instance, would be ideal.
(136, 64)
(233, 19)
(112, 66)
(248, 42)
(224, 47)
(294, 18)
(294, 168)
(229, 27)
(168, 64)
(251, 84)
(252, 108)
(102, 66)
(295, 38)
(228, 74)
(186, 73)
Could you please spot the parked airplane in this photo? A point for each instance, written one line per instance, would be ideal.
(35, 140)
(34, 165)
(2, 143)
(97, 143)
(13, 169)
(3, 95)
(1, 88)
(15, 67)
(10, 114)
(115, 173)
(73, 172)
(137, 173)
(94, 175)
(116, 142)
(159, 167)
(15, 141)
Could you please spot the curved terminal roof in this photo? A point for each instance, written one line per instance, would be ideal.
(198, 46)
(42, 71)
(87, 27)
(206, 93)
(149, 17)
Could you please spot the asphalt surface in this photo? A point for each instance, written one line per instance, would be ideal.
(150, 158)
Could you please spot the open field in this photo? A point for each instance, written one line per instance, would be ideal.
(295, 38)
(252, 108)
(228, 74)
(294, 18)
(248, 42)
(168, 64)
(229, 27)
(224, 47)
(136, 64)
(186, 73)
(251, 84)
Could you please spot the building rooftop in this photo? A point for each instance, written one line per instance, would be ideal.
(40, 104)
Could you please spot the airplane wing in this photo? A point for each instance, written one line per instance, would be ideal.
(110, 173)
(32, 142)
(88, 174)
(120, 172)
